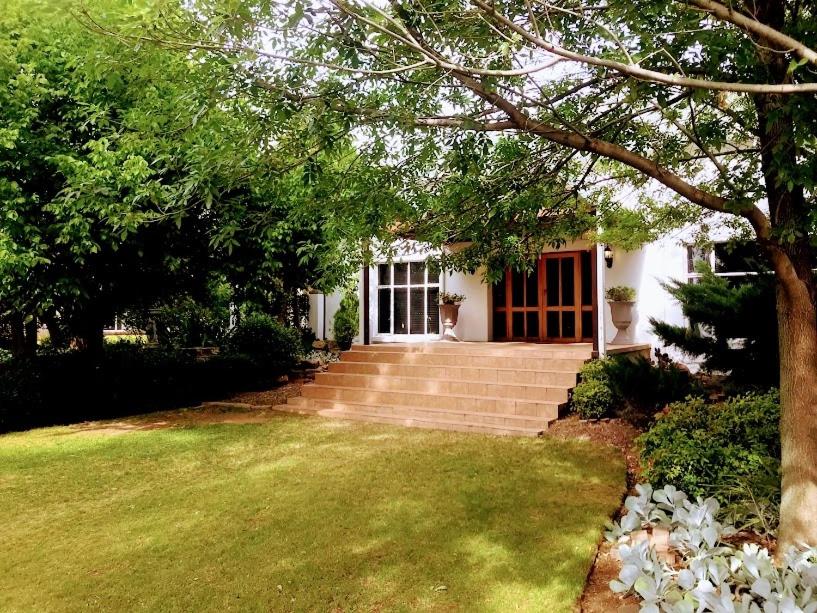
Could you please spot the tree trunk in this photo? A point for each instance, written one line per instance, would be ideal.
(797, 321)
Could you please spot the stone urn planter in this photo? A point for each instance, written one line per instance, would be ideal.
(622, 304)
(449, 312)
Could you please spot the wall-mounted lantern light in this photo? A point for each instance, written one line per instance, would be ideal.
(608, 256)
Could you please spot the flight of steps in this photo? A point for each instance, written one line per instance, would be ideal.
(497, 388)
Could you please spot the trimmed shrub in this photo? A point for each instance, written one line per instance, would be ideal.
(272, 345)
(633, 388)
(593, 399)
(706, 448)
(643, 388)
(346, 321)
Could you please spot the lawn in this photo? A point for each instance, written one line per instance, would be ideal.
(299, 514)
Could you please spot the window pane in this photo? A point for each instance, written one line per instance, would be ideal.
(587, 324)
(552, 282)
(384, 274)
(417, 273)
(417, 311)
(499, 325)
(518, 325)
(587, 279)
(401, 274)
(498, 292)
(568, 299)
(532, 289)
(433, 310)
(737, 257)
(533, 324)
(552, 324)
(401, 311)
(384, 311)
(696, 255)
(568, 324)
(517, 289)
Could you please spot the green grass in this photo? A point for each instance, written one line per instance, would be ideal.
(299, 514)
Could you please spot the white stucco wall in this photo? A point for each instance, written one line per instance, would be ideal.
(474, 321)
(644, 269)
(322, 309)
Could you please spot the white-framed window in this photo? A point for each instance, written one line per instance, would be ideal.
(408, 299)
(731, 260)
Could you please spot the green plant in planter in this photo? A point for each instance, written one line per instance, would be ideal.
(620, 293)
(450, 298)
(346, 320)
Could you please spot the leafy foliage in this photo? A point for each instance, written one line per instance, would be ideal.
(733, 326)
(633, 388)
(714, 575)
(707, 449)
(620, 293)
(346, 322)
(66, 387)
(274, 346)
(593, 399)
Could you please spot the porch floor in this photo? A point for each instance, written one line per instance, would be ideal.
(507, 388)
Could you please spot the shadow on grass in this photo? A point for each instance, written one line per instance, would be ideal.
(300, 514)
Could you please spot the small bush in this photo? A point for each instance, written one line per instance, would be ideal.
(272, 345)
(593, 399)
(633, 388)
(703, 448)
(644, 388)
(346, 321)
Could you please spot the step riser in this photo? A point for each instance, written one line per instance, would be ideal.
(482, 375)
(509, 406)
(470, 361)
(454, 427)
(501, 350)
(440, 386)
(428, 415)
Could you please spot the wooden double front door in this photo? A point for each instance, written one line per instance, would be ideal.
(554, 303)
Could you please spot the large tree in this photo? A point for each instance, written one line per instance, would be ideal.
(713, 103)
(130, 174)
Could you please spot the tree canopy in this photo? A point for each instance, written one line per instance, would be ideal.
(705, 107)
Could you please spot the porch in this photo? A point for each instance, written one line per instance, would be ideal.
(505, 388)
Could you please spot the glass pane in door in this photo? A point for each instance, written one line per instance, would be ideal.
(568, 298)
(499, 325)
(568, 324)
(417, 323)
(433, 310)
(532, 289)
(552, 282)
(518, 325)
(517, 289)
(400, 310)
(384, 310)
(533, 324)
(552, 324)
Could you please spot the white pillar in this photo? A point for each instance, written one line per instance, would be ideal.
(600, 284)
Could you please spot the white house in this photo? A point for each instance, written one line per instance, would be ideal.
(562, 301)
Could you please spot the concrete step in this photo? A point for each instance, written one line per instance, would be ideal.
(403, 416)
(450, 401)
(444, 386)
(503, 349)
(510, 376)
(407, 411)
(557, 364)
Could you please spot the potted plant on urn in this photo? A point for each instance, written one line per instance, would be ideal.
(621, 300)
(449, 311)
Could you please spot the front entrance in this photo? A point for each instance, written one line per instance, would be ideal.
(554, 303)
